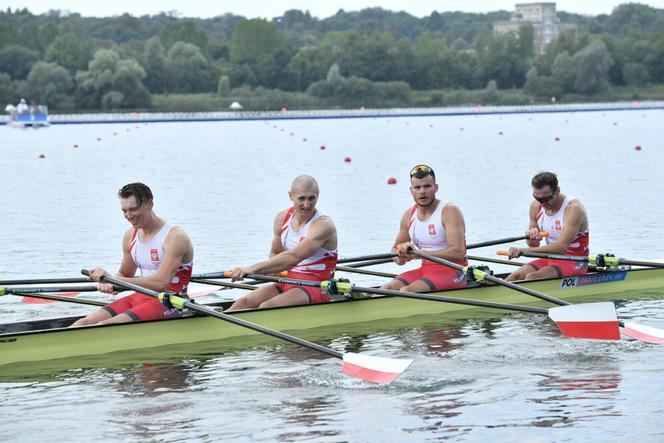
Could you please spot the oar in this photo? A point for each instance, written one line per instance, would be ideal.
(366, 367)
(542, 234)
(366, 257)
(587, 320)
(35, 289)
(51, 298)
(495, 260)
(600, 260)
(248, 285)
(568, 322)
(364, 271)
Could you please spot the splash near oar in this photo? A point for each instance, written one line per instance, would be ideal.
(373, 369)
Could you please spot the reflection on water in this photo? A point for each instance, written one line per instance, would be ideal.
(507, 378)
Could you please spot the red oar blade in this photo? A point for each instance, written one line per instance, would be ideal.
(588, 320)
(43, 300)
(644, 333)
(374, 369)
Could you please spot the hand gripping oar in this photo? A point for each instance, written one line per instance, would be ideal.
(571, 323)
(599, 260)
(587, 320)
(365, 367)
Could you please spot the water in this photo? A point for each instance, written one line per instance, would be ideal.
(510, 378)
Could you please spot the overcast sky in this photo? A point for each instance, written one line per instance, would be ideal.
(319, 8)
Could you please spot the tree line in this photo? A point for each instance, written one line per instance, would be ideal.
(372, 56)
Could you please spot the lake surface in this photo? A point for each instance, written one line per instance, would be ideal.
(511, 378)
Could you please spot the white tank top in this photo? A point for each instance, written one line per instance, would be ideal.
(148, 257)
(322, 263)
(428, 234)
(553, 224)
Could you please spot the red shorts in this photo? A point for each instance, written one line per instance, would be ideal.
(564, 268)
(316, 295)
(435, 275)
(138, 307)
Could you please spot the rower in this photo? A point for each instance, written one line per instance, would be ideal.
(161, 252)
(437, 228)
(304, 244)
(565, 220)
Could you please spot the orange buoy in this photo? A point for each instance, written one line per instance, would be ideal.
(42, 156)
(322, 147)
(637, 147)
(391, 181)
(347, 160)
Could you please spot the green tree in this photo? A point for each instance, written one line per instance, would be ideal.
(635, 74)
(68, 51)
(154, 63)
(263, 49)
(7, 93)
(564, 72)
(107, 73)
(592, 65)
(50, 83)
(17, 61)
(188, 69)
(224, 86)
(183, 31)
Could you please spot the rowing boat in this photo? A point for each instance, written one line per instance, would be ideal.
(51, 339)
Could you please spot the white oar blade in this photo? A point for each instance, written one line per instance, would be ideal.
(644, 333)
(588, 320)
(374, 369)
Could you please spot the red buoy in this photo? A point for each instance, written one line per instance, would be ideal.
(42, 156)
(557, 139)
(637, 147)
(347, 160)
(322, 147)
(391, 181)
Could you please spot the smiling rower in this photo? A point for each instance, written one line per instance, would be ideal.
(566, 221)
(304, 244)
(434, 226)
(161, 252)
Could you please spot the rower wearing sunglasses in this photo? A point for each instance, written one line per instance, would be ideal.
(566, 221)
(435, 227)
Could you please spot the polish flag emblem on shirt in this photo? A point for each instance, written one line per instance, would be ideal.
(558, 228)
(154, 255)
(432, 229)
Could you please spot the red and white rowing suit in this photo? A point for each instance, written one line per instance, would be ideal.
(430, 235)
(318, 267)
(148, 257)
(553, 224)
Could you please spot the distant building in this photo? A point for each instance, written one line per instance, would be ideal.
(543, 18)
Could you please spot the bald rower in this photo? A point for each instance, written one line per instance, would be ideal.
(304, 244)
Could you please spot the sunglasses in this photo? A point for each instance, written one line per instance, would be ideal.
(421, 171)
(546, 199)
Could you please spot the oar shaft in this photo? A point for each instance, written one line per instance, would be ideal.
(496, 242)
(229, 318)
(598, 259)
(32, 289)
(43, 281)
(495, 260)
(493, 279)
(413, 295)
(80, 301)
(366, 257)
(248, 285)
(364, 271)
(379, 261)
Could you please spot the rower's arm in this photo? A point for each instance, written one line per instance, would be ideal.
(320, 232)
(573, 219)
(533, 239)
(276, 247)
